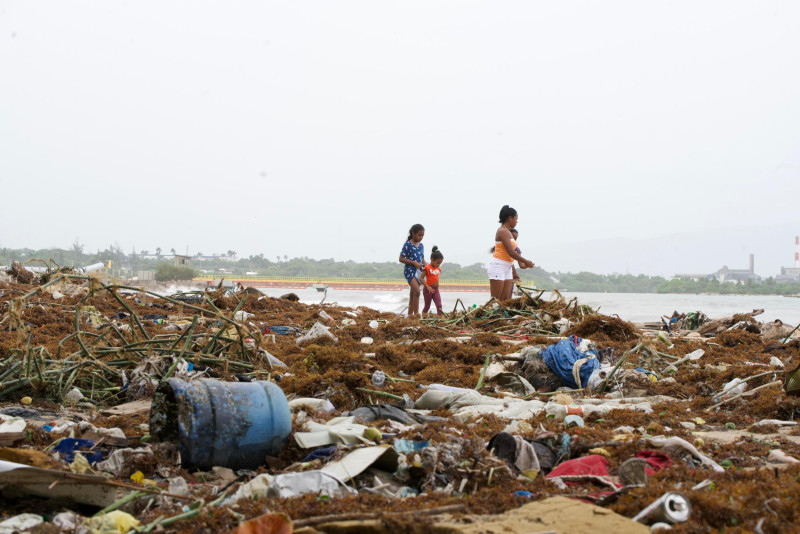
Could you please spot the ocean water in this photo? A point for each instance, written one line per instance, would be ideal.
(634, 307)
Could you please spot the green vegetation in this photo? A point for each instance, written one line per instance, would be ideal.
(167, 271)
(329, 268)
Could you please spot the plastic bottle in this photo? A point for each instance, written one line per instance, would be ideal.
(323, 314)
(378, 377)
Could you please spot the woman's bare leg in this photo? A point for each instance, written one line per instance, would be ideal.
(413, 298)
(508, 288)
(496, 288)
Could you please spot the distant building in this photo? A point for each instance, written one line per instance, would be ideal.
(791, 274)
(738, 275)
(732, 276)
(182, 261)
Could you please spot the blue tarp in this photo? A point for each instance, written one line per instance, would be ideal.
(67, 447)
(562, 356)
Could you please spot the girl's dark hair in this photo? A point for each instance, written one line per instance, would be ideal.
(413, 230)
(436, 254)
(506, 212)
(514, 231)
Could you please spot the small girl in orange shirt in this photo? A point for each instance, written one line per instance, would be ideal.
(430, 281)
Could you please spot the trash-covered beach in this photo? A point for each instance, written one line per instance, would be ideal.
(225, 410)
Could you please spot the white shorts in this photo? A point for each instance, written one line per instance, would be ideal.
(500, 270)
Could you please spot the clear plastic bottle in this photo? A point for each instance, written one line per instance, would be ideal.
(378, 377)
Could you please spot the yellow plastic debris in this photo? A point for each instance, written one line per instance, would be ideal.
(116, 522)
(137, 477)
(698, 421)
(80, 465)
(531, 474)
(601, 451)
(373, 434)
(26, 400)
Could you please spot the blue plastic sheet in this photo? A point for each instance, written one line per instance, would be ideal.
(67, 448)
(406, 445)
(561, 356)
(281, 330)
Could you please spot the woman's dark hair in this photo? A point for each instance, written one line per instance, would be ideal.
(436, 254)
(506, 212)
(413, 230)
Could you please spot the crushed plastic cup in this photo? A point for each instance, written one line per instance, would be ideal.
(373, 324)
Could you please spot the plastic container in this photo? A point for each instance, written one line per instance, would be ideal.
(574, 420)
(378, 377)
(228, 424)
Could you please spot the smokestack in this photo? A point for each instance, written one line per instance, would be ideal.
(752, 263)
(797, 251)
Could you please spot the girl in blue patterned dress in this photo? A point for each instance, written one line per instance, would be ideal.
(413, 256)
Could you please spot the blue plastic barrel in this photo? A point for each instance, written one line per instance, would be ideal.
(214, 423)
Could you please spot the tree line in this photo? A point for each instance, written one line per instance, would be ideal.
(329, 268)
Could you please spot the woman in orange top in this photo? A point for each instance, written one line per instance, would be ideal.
(501, 268)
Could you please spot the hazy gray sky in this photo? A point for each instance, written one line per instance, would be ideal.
(325, 129)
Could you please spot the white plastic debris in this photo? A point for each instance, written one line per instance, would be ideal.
(337, 430)
(178, 486)
(373, 324)
(73, 396)
(123, 462)
(735, 387)
(315, 405)
(11, 424)
(675, 443)
(777, 455)
(777, 422)
(367, 340)
(292, 484)
(20, 523)
(68, 521)
(242, 315)
(775, 362)
(316, 332)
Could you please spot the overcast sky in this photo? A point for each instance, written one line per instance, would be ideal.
(326, 129)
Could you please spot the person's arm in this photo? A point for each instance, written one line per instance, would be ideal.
(407, 261)
(423, 279)
(505, 238)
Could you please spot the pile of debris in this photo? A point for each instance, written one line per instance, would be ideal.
(223, 410)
